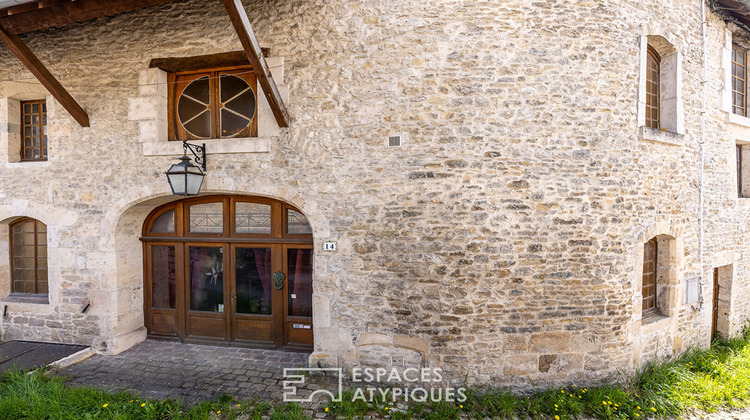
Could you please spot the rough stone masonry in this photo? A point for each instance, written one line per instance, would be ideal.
(502, 241)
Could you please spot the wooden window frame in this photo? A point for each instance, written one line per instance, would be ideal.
(739, 76)
(36, 256)
(654, 310)
(177, 81)
(739, 170)
(182, 221)
(653, 89)
(42, 124)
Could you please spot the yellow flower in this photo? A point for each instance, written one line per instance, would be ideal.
(460, 406)
(238, 405)
(557, 417)
(562, 390)
(130, 401)
(604, 402)
(653, 409)
(386, 408)
(326, 409)
(555, 405)
(218, 412)
(143, 405)
(638, 407)
(637, 415)
(105, 405)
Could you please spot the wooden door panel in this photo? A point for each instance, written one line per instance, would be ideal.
(164, 323)
(206, 326)
(254, 330)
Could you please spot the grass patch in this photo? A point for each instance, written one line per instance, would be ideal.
(700, 380)
(39, 396)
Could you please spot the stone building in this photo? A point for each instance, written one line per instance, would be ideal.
(517, 191)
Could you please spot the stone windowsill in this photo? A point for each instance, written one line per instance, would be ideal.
(216, 146)
(654, 323)
(27, 298)
(660, 136)
(29, 164)
(739, 120)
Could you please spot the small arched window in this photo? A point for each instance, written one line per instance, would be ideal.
(653, 64)
(650, 251)
(28, 256)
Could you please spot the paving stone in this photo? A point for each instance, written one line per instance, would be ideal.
(186, 372)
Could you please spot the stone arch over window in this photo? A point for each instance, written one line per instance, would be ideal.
(229, 269)
(660, 98)
(655, 331)
(28, 257)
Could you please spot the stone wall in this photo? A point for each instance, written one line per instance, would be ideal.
(502, 241)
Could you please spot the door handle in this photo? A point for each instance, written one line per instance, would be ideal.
(278, 280)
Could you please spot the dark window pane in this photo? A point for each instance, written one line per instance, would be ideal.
(243, 104)
(200, 126)
(231, 86)
(206, 273)
(300, 282)
(254, 288)
(232, 124)
(163, 276)
(199, 89)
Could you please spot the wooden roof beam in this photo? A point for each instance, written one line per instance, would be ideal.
(250, 44)
(46, 78)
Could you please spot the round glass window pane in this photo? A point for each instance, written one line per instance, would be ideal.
(193, 107)
(238, 104)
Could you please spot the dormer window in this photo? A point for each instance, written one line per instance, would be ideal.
(213, 104)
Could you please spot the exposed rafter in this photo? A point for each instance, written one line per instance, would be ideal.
(241, 24)
(46, 78)
(43, 14)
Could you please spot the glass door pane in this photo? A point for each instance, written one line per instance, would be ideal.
(253, 281)
(163, 276)
(206, 271)
(300, 282)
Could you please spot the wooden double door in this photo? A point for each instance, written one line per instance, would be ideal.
(230, 290)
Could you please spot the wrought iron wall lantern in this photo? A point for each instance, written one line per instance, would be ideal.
(184, 177)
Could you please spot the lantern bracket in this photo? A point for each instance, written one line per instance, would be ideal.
(198, 151)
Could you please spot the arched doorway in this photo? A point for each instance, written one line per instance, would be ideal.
(230, 270)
